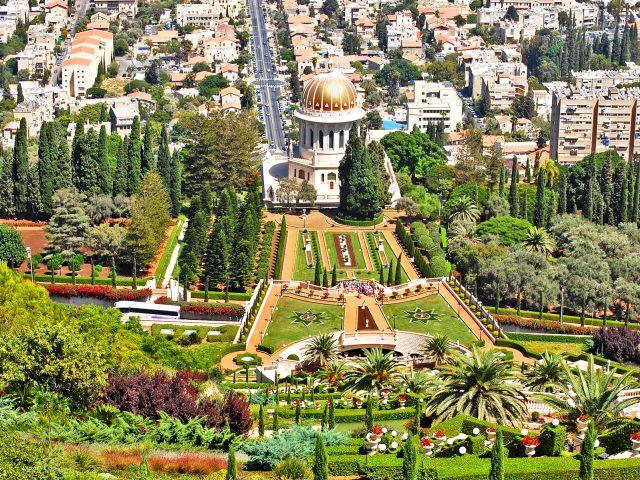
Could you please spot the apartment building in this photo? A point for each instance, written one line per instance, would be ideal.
(430, 103)
(604, 79)
(203, 14)
(127, 7)
(89, 49)
(501, 81)
(592, 121)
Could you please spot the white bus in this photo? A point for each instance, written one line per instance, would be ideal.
(148, 311)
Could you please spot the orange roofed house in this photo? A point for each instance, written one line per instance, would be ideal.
(89, 49)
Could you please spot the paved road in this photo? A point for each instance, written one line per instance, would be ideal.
(81, 8)
(266, 79)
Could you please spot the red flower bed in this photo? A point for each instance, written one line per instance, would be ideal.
(530, 441)
(98, 291)
(543, 325)
(206, 309)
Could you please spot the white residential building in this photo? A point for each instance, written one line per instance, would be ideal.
(430, 103)
(89, 50)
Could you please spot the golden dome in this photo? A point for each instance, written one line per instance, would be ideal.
(329, 92)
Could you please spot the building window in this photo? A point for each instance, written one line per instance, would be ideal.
(301, 174)
(331, 139)
(331, 176)
(321, 139)
(341, 138)
(312, 139)
(322, 178)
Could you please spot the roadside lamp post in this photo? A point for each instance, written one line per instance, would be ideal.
(28, 249)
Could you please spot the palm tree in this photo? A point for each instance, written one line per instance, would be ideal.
(547, 375)
(551, 171)
(593, 392)
(375, 372)
(464, 230)
(538, 240)
(417, 381)
(463, 209)
(321, 350)
(478, 386)
(333, 374)
(439, 348)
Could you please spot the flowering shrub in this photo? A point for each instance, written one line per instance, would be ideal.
(402, 399)
(426, 442)
(98, 291)
(439, 434)
(584, 417)
(206, 309)
(529, 441)
(377, 430)
(635, 436)
(617, 343)
(491, 430)
(544, 325)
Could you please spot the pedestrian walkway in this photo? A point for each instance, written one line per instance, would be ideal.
(353, 303)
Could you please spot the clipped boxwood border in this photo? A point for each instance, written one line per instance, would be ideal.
(358, 223)
(216, 295)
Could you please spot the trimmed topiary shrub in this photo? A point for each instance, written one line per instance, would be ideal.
(552, 440)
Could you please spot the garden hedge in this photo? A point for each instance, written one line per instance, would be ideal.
(552, 440)
(121, 282)
(618, 440)
(359, 223)
(470, 467)
(264, 259)
(217, 295)
(533, 337)
(556, 317)
(350, 415)
(282, 239)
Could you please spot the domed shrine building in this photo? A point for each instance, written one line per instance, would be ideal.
(329, 107)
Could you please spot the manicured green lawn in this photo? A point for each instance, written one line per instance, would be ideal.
(446, 322)
(285, 327)
(301, 271)
(357, 250)
(391, 257)
(554, 347)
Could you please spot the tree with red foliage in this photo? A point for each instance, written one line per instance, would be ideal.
(234, 409)
(149, 395)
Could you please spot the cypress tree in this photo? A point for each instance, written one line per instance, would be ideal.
(562, 199)
(317, 274)
(497, 458)
(525, 202)
(20, 169)
(606, 189)
(164, 158)
(6, 184)
(615, 49)
(368, 414)
(34, 202)
(121, 179)
(105, 182)
(148, 162)
(415, 428)
(217, 256)
(390, 276)
(261, 421)
(334, 276)
(502, 180)
(381, 279)
(175, 193)
(324, 421)
(619, 199)
(241, 265)
(276, 426)
(360, 195)
(325, 278)
(527, 171)
(320, 461)
(232, 468)
(598, 208)
(332, 415)
(46, 166)
(538, 216)
(636, 192)
(207, 201)
(549, 212)
(298, 412)
(513, 189)
(587, 454)
(410, 459)
(398, 277)
(134, 154)
(63, 170)
(20, 97)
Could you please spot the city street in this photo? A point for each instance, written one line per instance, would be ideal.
(266, 81)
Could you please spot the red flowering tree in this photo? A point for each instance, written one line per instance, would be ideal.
(99, 291)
